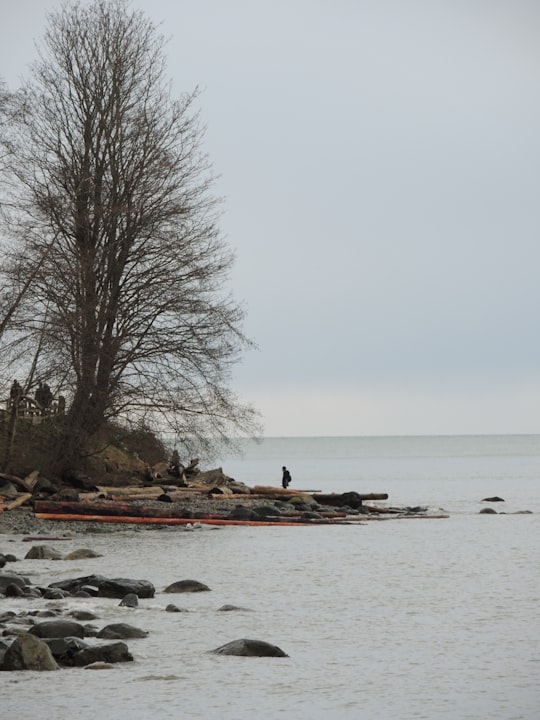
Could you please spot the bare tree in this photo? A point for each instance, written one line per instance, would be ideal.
(131, 296)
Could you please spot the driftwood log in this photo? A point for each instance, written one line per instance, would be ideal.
(108, 509)
(353, 499)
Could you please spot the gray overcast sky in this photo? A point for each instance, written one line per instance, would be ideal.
(380, 163)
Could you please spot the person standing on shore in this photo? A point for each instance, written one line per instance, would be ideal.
(286, 479)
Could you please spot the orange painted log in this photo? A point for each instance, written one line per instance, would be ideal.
(186, 521)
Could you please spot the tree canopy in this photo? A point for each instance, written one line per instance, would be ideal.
(112, 216)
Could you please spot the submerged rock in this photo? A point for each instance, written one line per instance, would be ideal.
(130, 600)
(186, 586)
(58, 629)
(63, 649)
(113, 653)
(121, 631)
(232, 608)
(250, 648)
(111, 588)
(82, 554)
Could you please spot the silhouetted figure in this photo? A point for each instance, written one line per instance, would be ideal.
(286, 479)
(47, 396)
(43, 396)
(15, 394)
(39, 394)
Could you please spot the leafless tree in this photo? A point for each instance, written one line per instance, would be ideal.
(118, 228)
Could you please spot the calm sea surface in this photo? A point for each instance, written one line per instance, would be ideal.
(382, 620)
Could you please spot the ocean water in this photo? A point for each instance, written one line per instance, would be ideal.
(381, 620)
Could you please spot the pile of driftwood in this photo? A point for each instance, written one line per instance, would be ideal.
(16, 491)
(186, 497)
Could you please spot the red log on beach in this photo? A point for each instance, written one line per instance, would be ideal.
(293, 522)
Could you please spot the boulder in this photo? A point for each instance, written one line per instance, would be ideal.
(241, 512)
(43, 552)
(120, 587)
(30, 591)
(267, 511)
(82, 615)
(495, 498)
(175, 608)
(64, 648)
(54, 594)
(58, 629)
(28, 652)
(113, 653)
(121, 631)
(186, 586)
(111, 588)
(130, 600)
(488, 511)
(10, 578)
(81, 554)
(303, 500)
(13, 590)
(250, 648)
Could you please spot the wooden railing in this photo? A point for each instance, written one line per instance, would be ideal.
(29, 408)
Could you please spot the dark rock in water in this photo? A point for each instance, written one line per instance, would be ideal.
(43, 552)
(311, 515)
(82, 615)
(28, 652)
(90, 630)
(488, 511)
(131, 600)
(250, 648)
(111, 588)
(63, 649)
(82, 554)
(120, 587)
(84, 594)
(121, 631)
(13, 590)
(231, 608)
(175, 608)
(30, 591)
(45, 613)
(54, 594)
(9, 578)
(186, 586)
(7, 617)
(8, 557)
(58, 629)
(495, 498)
(164, 498)
(113, 653)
